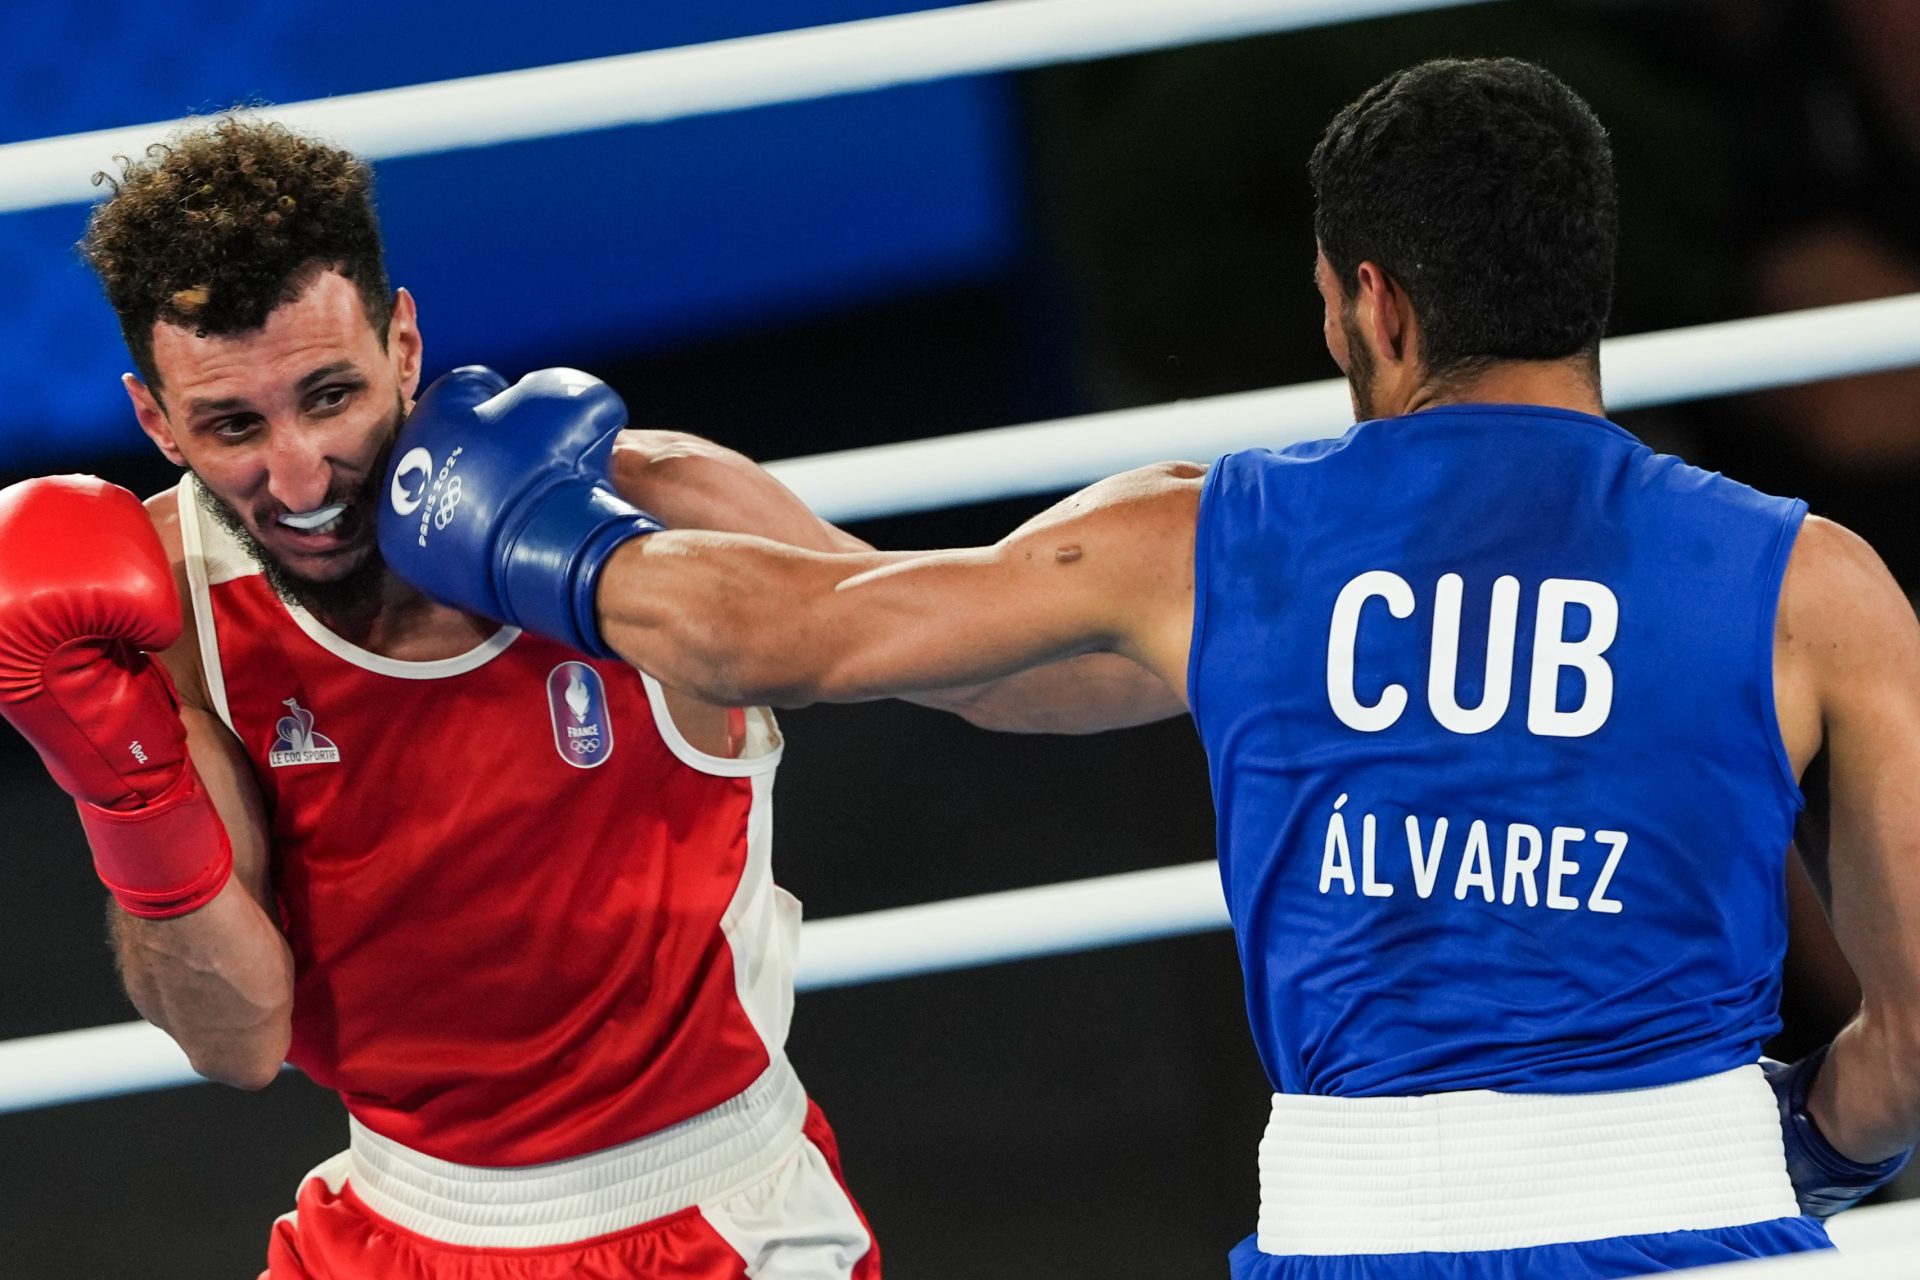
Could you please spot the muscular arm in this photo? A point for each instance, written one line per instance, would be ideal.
(746, 620)
(219, 980)
(690, 483)
(1088, 693)
(1849, 662)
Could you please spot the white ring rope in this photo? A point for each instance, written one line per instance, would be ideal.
(1647, 369)
(1638, 372)
(102, 1062)
(725, 75)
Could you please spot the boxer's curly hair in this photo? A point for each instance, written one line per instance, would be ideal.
(227, 220)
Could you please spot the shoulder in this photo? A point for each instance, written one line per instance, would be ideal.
(1119, 522)
(1160, 491)
(1834, 574)
(182, 659)
(1165, 476)
(1131, 535)
(1674, 477)
(1252, 474)
(1841, 613)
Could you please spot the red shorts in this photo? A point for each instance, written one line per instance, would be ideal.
(796, 1222)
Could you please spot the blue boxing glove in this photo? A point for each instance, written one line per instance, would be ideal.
(498, 501)
(1824, 1181)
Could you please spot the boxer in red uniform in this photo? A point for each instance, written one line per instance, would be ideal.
(513, 901)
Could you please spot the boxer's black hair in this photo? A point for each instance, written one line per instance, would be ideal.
(216, 227)
(1485, 188)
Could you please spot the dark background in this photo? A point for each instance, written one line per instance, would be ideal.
(1134, 230)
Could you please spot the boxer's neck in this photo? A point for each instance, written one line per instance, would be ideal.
(408, 627)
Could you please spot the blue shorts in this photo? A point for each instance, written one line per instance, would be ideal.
(1587, 1260)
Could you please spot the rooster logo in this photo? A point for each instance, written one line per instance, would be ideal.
(295, 742)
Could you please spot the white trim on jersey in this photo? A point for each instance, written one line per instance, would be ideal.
(762, 927)
(762, 921)
(215, 556)
(761, 754)
(438, 669)
(200, 576)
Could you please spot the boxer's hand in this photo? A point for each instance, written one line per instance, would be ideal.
(85, 590)
(498, 501)
(1824, 1181)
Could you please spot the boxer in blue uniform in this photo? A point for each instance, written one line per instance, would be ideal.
(1504, 712)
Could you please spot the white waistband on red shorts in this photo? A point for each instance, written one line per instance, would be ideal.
(1454, 1172)
(694, 1162)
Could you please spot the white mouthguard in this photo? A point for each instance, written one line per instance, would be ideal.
(314, 519)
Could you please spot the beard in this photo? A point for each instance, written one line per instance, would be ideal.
(355, 593)
(1359, 368)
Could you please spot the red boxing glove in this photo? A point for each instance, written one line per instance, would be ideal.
(85, 590)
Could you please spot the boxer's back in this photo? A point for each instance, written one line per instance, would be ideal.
(1565, 878)
(529, 920)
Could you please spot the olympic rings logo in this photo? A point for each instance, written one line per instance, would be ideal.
(584, 746)
(443, 515)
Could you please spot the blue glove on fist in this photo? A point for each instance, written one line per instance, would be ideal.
(498, 501)
(1824, 1181)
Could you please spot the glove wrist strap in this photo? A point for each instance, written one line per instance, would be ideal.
(163, 859)
(1824, 1180)
(551, 582)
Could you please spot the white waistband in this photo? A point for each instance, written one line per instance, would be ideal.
(694, 1162)
(1455, 1172)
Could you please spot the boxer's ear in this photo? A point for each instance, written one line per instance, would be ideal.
(152, 418)
(404, 346)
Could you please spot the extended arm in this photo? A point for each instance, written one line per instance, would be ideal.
(690, 483)
(1850, 651)
(1087, 693)
(745, 620)
(529, 530)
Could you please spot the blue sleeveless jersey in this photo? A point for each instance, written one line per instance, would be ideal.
(1487, 698)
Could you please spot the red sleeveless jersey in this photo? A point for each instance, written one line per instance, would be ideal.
(528, 919)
